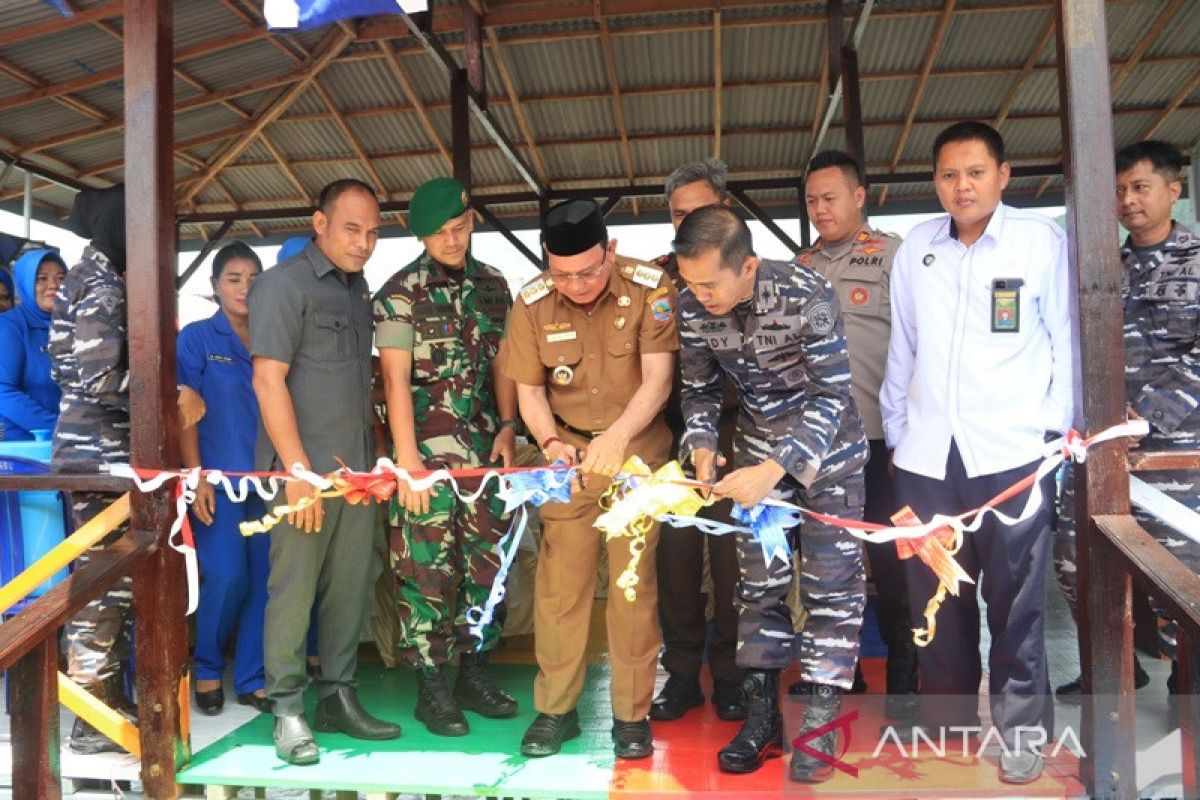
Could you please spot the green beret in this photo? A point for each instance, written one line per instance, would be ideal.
(435, 203)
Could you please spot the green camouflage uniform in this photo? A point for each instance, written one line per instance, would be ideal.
(446, 559)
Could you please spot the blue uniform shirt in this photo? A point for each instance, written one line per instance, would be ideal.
(212, 360)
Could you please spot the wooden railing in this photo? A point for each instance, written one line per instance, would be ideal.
(28, 641)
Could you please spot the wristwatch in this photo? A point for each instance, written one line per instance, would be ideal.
(508, 423)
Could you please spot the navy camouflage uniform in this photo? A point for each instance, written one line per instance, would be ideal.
(785, 350)
(1161, 296)
(89, 361)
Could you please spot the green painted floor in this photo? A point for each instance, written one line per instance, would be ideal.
(485, 762)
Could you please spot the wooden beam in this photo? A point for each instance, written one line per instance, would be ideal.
(414, 99)
(1102, 482)
(510, 89)
(210, 243)
(935, 47)
(351, 139)
(67, 101)
(1026, 71)
(718, 77)
(284, 166)
(614, 83)
(1160, 23)
(48, 27)
(334, 41)
(819, 103)
(1182, 95)
(507, 233)
(250, 16)
(765, 219)
(851, 107)
(114, 74)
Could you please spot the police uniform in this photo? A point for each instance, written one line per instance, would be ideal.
(785, 350)
(213, 361)
(452, 322)
(90, 363)
(316, 318)
(860, 270)
(680, 561)
(590, 363)
(1160, 291)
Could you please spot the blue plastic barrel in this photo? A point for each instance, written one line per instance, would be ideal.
(31, 523)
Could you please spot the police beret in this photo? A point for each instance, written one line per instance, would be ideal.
(573, 226)
(435, 203)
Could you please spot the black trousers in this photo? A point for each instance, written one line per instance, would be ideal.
(1011, 560)
(681, 603)
(887, 571)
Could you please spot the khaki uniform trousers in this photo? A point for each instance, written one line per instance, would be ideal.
(563, 598)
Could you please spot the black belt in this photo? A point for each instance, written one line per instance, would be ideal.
(576, 431)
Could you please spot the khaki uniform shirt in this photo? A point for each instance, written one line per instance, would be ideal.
(590, 361)
(860, 270)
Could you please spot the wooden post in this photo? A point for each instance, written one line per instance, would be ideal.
(34, 682)
(473, 52)
(852, 109)
(1187, 656)
(460, 127)
(1102, 485)
(805, 233)
(158, 581)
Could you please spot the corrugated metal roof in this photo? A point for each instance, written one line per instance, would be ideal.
(771, 60)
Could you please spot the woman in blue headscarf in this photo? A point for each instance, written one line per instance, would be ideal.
(28, 394)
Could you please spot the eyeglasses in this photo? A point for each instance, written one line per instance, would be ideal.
(583, 275)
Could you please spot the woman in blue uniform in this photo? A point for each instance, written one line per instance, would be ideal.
(28, 394)
(214, 360)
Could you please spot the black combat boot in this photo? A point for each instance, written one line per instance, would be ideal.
(823, 706)
(85, 739)
(435, 707)
(475, 691)
(902, 702)
(761, 736)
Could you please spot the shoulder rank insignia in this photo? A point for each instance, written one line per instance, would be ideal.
(647, 276)
(534, 291)
(804, 259)
(862, 237)
(663, 259)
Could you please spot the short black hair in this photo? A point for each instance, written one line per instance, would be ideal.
(336, 189)
(714, 228)
(847, 163)
(1164, 157)
(231, 251)
(968, 131)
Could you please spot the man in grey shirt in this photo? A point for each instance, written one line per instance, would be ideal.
(310, 339)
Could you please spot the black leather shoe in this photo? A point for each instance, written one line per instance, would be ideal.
(901, 707)
(436, 707)
(632, 739)
(728, 700)
(761, 735)
(210, 702)
(1071, 692)
(546, 734)
(341, 712)
(87, 741)
(475, 691)
(678, 696)
(294, 742)
(823, 707)
(261, 703)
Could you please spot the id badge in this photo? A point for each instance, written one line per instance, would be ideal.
(1006, 305)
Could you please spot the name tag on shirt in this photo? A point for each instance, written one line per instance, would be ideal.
(219, 358)
(1006, 305)
(561, 336)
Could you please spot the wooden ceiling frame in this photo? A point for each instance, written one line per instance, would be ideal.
(614, 82)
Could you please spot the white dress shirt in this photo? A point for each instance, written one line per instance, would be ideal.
(949, 375)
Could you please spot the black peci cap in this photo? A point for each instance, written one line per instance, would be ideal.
(573, 226)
